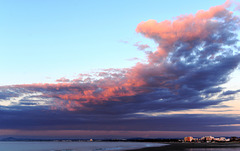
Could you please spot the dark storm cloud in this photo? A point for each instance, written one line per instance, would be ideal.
(46, 120)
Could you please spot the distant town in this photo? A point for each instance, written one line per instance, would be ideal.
(210, 139)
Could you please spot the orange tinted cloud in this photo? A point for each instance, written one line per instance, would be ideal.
(185, 28)
(186, 46)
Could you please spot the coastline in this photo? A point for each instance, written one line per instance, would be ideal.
(184, 146)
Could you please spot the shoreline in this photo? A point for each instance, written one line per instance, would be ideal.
(184, 146)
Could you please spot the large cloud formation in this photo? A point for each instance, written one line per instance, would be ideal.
(195, 56)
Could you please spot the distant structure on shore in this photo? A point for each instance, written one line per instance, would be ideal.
(210, 139)
(188, 139)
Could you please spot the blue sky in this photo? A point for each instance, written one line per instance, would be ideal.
(45, 40)
(106, 68)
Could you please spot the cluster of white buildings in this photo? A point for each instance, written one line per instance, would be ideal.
(206, 139)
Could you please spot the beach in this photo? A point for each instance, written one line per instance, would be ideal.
(194, 147)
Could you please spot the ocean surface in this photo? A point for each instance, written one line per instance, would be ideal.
(73, 146)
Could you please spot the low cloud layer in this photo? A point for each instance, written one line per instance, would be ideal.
(195, 56)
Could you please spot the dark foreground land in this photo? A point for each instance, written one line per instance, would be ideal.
(186, 146)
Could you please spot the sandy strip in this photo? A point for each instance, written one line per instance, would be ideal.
(184, 146)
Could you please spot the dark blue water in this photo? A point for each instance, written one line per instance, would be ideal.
(73, 146)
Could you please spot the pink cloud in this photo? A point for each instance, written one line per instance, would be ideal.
(178, 39)
(185, 28)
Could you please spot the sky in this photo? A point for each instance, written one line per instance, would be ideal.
(117, 69)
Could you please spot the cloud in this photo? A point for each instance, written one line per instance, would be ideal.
(229, 92)
(134, 59)
(227, 125)
(141, 46)
(63, 79)
(195, 56)
(123, 41)
(191, 36)
(40, 119)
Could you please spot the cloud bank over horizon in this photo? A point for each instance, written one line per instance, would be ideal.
(195, 56)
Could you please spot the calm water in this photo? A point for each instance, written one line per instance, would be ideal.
(73, 146)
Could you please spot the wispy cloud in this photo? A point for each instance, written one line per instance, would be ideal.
(124, 41)
(63, 79)
(226, 125)
(141, 46)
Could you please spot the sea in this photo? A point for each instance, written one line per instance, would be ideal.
(73, 146)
